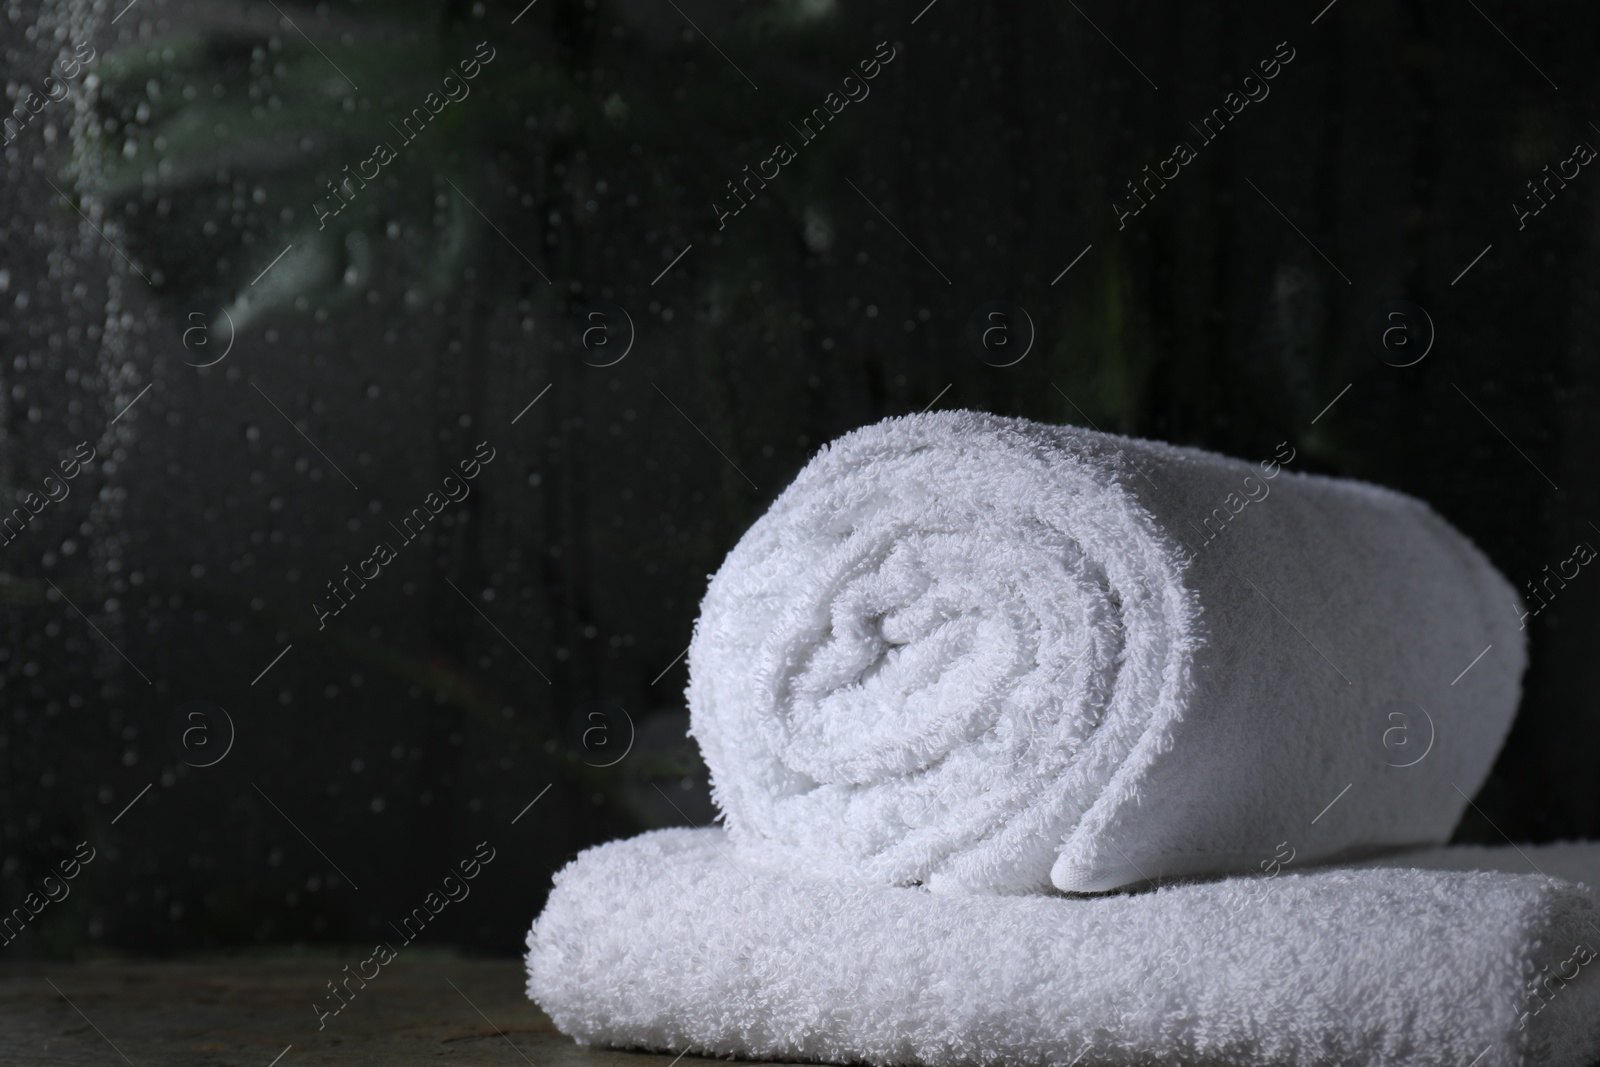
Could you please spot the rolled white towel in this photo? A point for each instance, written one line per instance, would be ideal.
(667, 942)
(988, 655)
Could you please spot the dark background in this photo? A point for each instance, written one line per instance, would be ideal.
(536, 632)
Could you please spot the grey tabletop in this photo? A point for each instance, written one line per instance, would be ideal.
(241, 1012)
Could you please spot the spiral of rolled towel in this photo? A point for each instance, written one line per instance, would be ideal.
(989, 655)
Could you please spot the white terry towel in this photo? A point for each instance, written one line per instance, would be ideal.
(988, 655)
(667, 942)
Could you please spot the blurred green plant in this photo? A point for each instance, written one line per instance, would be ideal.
(216, 146)
(213, 146)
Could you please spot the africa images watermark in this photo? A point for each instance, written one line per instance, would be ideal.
(344, 191)
(11, 926)
(30, 106)
(1233, 504)
(784, 153)
(200, 733)
(455, 490)
(455, 890)
(55, 491)
(1582, 554)
(1397, 738)
(1183, 153)
(1581, 156)
(1542, 992)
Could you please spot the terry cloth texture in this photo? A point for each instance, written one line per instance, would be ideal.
(992, 656)
(667, 941)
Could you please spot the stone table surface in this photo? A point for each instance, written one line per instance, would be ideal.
(242, 1012)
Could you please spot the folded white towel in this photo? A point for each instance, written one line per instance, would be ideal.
(667, 942)
(984, 654)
